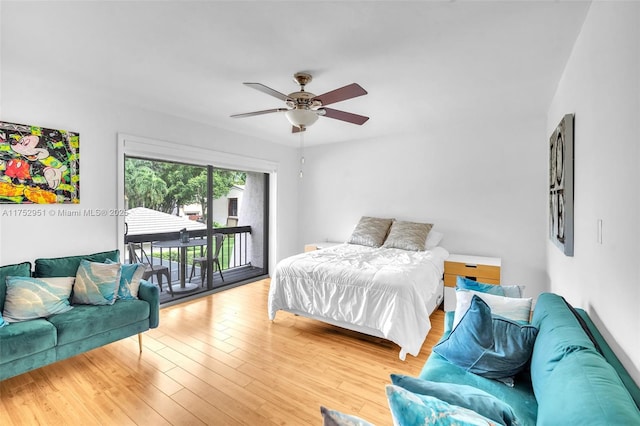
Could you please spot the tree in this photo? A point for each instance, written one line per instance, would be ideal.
(167, 187)
(143, 187)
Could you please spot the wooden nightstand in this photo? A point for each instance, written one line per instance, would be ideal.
(319, 246)
(477, 268)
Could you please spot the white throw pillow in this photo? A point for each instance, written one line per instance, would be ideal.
(516, 309)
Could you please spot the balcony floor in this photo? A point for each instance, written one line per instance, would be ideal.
(231, 276)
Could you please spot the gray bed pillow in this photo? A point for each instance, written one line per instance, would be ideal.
(408, 235)
(370, 231)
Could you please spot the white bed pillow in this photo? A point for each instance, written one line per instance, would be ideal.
(433, 239)
(516, 309)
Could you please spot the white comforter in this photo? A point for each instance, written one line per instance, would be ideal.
(379, 291)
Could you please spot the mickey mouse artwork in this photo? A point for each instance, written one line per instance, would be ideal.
(38, 165)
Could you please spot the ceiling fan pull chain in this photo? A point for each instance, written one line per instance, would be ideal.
(301, 155)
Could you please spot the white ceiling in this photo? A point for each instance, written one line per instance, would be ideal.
(419, 61)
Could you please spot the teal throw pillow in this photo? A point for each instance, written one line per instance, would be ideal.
(461, 395)
(96, 283)
(68, 266)
(18, 270)
(30, 298)
(499, 290)
(408, 408)
(130, 276)
(488, 345)
(336, 418)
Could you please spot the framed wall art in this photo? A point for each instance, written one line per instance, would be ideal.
(38, 165)
(561, 145)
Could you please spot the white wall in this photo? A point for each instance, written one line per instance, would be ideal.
(480, 179)
(44, 101)
(601, 85)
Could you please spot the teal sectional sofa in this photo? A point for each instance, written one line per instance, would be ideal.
(574, 378)
(27, 345)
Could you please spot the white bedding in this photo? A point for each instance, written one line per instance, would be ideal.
(388, 293)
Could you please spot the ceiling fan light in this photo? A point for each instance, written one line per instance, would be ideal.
(301, 117)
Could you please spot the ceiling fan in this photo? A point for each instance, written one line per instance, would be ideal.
(304, 108)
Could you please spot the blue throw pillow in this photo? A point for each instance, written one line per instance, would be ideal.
(30, 298)
(336, 418)
(130, 276)
(96, 283)
(496, 289)
(488, 345)
(461, 395)
(412, 409)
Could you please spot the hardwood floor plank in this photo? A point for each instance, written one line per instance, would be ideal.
(217, 360)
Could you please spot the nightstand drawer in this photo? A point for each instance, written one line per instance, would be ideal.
(450, 279)
(474, 271)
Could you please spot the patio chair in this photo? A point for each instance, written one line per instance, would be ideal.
(151, 269)
(202, 261)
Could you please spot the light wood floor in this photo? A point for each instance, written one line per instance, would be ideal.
(217, 361)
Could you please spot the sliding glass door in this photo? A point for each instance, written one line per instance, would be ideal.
(208, 226)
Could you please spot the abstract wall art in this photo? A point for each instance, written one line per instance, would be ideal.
(38, 165)
(561, 146)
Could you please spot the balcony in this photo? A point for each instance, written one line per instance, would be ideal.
(235, 259)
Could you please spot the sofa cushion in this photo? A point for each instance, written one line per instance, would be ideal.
(96, 283)
(30, 298)
(408, 408)
(88, 320)
(559, 334)
(18, 270)
(584, 389)
(461, 395)
(68, 266)
(22, 339)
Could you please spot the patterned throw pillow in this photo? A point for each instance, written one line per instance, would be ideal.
(336, 418)
(408, 235)
(408, 408)
(96, 283)
(18, 270)
(130, 276)
(464, 396)
(30, 298)
(370, 231)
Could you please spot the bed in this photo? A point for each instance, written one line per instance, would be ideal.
(380, 291)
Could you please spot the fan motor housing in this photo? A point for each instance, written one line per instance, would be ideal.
(302, 99)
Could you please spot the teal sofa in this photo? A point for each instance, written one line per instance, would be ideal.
(574, 377)
(31, 344)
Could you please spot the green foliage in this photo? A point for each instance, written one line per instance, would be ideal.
(165, 186)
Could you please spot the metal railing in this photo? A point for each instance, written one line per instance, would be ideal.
(233, 254)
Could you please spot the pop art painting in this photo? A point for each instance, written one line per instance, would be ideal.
(38, 165)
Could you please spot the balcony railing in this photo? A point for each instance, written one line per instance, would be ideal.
(234, 256)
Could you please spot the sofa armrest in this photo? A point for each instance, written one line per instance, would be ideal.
(151, 294)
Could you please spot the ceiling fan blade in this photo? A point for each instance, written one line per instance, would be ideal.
(345, 116)
(265, 111)
(347, 92)
(268, 91)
